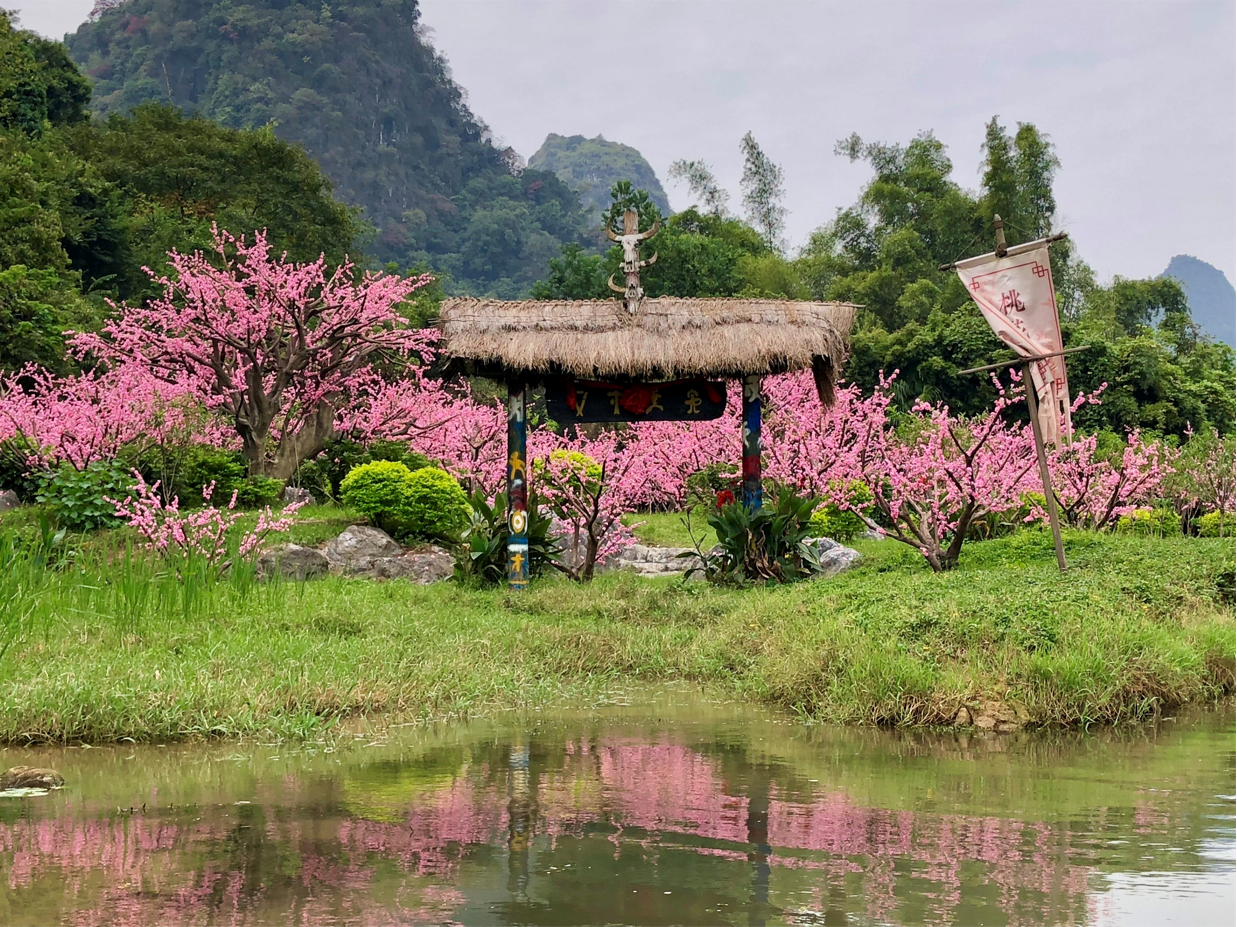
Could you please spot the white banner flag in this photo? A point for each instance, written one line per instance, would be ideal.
(1016, 296)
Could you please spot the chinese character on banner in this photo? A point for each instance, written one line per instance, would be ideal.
(1016, 296)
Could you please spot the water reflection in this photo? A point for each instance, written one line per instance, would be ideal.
(679, 811)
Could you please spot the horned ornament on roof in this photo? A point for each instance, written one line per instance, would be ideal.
(631, 238)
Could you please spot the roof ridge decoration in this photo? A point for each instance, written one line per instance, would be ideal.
(630, 240)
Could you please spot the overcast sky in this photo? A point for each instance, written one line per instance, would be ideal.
(1138, 97)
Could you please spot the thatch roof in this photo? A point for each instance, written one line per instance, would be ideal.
(668, 338)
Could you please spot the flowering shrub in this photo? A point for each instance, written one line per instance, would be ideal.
(587, 492)
(1094, 490)
(201, 534)
(932, 481)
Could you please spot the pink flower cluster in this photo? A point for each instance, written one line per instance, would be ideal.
(199, 533)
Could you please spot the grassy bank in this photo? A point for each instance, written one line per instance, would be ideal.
(1136, 626)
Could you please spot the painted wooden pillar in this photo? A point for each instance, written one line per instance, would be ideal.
(517, 487)
(752, 492)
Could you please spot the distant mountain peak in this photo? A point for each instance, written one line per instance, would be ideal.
(591, 166)
(1212, 298)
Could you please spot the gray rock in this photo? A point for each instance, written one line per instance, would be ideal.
(834, 558)
(870, 534)
(8, 500)
(656, 561)
(357, 547)
(297, 494)
(30, 777)
(293, 561)
(420, 567)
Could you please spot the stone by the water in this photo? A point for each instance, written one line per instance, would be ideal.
(293, 561)
(30, 777)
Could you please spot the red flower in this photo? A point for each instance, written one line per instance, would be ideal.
(725, 497)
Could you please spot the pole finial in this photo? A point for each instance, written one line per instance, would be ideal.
(998, 225)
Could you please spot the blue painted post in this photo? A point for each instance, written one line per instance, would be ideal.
(752, 492)
(517, 487)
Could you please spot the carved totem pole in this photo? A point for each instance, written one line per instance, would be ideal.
(631, 238)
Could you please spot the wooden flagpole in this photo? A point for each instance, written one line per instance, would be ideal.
(1050, 498)
(1041, 456)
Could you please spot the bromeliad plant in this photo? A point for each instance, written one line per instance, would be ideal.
(482, 557)
(769, 544)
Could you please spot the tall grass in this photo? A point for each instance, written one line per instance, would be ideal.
(109, 643)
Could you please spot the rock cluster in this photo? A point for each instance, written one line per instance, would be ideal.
(993, 716)
(359, 551)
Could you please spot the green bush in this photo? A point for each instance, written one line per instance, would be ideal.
(704, 485)
(203, 465)
(769, 545)
(435, 506)
(1217, 524)
(482, 560)
(843, 524)
(424, 503)
(377, 490)
(15, 470)
(1157, 522)
(75, 498)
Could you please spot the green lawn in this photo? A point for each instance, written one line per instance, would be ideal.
(103, 653)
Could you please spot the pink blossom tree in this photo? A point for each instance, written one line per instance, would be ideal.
(936, 475)
(1094, 490)
(279, 348)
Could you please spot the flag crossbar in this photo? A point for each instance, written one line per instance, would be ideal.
(1016, 361)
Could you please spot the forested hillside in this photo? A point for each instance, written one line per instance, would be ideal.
(85, 205)
(356, 83)
(591, 166)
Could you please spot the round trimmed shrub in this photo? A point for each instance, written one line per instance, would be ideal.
(377, 490)
(434, 504)
(1213, 524)
(1156, 522)
(424, 503)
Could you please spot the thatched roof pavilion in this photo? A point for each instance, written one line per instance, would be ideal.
(637, 357)
(669, 338)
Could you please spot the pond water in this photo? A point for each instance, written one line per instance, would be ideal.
(677, 810)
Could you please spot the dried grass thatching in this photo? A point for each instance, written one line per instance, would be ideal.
(668, 338)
